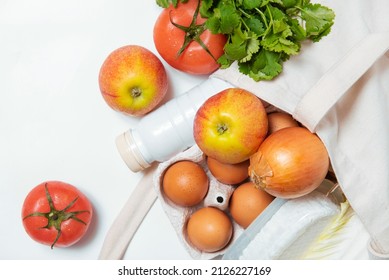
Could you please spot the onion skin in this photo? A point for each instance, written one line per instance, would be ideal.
(290, 163)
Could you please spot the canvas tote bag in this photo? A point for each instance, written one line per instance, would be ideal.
(337, 88)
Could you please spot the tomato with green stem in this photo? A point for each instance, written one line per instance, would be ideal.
(57, 214)
(182, 40)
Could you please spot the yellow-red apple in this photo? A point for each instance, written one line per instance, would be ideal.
(230, 125)
(133, 80)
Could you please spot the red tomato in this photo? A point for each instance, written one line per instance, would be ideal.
(177, 36)
(56, 213)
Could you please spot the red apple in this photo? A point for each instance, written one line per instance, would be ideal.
(230, 125)
(133, 80)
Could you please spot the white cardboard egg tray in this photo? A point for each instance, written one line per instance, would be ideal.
(218, 196)
(179, 215)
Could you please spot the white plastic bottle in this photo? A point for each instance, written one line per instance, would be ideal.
(168, 130)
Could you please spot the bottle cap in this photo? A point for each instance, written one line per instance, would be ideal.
(130, 153)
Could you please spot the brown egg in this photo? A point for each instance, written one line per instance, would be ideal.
(247, 202)
(279, 120)
(185, 183)
(209, 229)
(229, 174)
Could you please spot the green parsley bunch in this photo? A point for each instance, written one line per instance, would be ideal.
(262, 34)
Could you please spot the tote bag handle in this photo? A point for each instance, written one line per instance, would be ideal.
(331, 87)
(130, 218)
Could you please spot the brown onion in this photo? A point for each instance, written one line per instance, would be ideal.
(290, 163)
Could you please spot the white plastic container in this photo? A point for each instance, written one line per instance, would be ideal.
(168, 130)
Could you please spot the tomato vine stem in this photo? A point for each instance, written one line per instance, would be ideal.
(55, 217)
(192, 33)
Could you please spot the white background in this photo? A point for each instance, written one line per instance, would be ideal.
(54, 124)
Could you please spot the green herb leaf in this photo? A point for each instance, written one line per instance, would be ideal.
(163, 3)
(280, 2)
(252, 47)
(235, 49)
(251, 4)
(289, 3)
(242, 46)
(206, 8)
(166, 3)
(264, 66)
(229, 19)
(224, 61)
(255, 25)
(318, 20)
(280, 43)
(280, 36)
(299, 32)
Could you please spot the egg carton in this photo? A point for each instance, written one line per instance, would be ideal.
(218, 196)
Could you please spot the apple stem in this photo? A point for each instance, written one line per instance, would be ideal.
(221, 128)
(136, 92)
